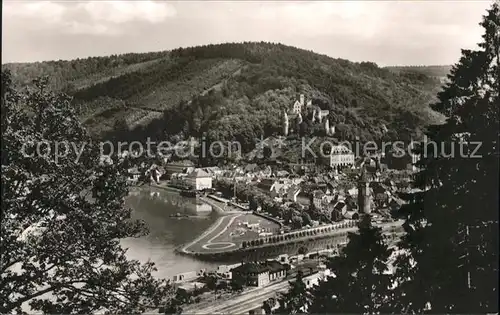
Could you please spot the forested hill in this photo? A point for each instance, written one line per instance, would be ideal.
(440, 72)
(237, 91)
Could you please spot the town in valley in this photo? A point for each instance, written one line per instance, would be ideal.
(250, 157)
(266, 202)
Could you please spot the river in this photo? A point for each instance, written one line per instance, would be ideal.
(155, 206)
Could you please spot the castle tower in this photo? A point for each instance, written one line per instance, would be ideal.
(327, 127)
(413, 154)
(318, 113)
(363, 193)
(302, 100)
(332, 130)
(285, 123)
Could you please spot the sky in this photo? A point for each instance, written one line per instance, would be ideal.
(385, 32)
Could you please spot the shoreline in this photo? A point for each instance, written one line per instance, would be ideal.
(164, 187)
(321, 232)
(182, 249)
(287, 240)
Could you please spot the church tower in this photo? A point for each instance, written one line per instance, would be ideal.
(327, 127)
(363, 193)
(285, 123)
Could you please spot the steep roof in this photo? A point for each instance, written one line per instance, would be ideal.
(266, 184)
(250, 167)
(340, 149)
(198, 173)
(249, 268)
(133, 170)
(274, 266)
(318, 194)
(182, 163)
(294, 189)
(339, 206)
(271, 266)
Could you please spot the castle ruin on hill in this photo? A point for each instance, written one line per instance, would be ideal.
(298, 108)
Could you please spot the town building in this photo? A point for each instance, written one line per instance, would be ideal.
(178, 167)
(340, 156)
(178, 180)
(319, 114)
(298, 105)
(191, 286)
(154, 174)
(250, 168)
(186, 276)
(199, 180)
(314, 279)
(293, 193)
(336, 210)
(279, 189)
(402, 159)
(295, 115)
(213, 171)
(225, 270)
(395, 203)
(133, 175)
(317, 198)
(282, 173)
(260, 274)
(351, 215)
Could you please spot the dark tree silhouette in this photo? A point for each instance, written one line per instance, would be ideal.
(451, 261)
(62, 217)
(360, 285)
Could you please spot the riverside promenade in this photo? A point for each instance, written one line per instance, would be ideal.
(219, 238)
(208, 240)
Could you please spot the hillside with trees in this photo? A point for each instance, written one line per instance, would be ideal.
(245, 85)
(430, 71)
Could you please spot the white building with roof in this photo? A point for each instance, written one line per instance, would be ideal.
(199, 180)
(298, 105)
(340, 155)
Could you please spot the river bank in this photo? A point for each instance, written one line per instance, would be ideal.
(166, 232)
(201, 246)
(165, 187)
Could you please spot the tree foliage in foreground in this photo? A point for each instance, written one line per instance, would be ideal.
(361, 284)
(297, 299)
(62, 220)
(451, 263)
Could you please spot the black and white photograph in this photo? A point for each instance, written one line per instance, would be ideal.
(250, 157)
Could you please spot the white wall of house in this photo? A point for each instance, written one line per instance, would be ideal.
(203, 183)
(318, 202)
(263, 279)
(199, 183)
(277, 275)
(341, 159)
